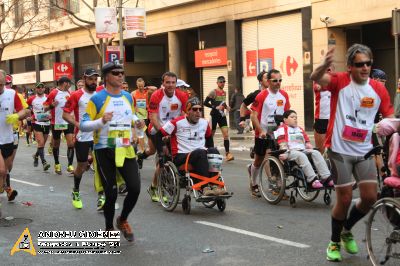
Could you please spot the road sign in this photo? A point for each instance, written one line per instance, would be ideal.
(113, 54)
(257, 63)
(63, 69)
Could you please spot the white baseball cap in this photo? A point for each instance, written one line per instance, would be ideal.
(182, 83)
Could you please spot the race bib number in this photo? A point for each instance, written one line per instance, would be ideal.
(141, 104)
(60, 126)
(119, 135)
(42, 117)
(354, 134)
(297, 138)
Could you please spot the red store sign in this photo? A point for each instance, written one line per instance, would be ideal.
(211, 57)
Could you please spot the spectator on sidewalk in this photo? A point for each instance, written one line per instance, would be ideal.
(235, 103)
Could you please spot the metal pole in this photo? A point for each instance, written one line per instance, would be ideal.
(121, 35)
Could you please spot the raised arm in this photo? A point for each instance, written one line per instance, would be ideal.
(319, 75)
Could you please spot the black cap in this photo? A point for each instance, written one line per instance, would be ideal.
(90, 72)
(108, 67)
(192, 102)
(221, 78)
(63, 79)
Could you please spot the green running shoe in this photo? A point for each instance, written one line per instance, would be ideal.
(100, 202)
(76, 200)
(153, 194)
(333, 252)
(349, 243)
(46, 166)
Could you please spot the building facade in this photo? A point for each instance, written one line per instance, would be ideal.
(203, 39)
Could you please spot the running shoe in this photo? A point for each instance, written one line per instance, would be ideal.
(122, 189)
(125, 229)
(207, 191)
(70, 169)
(153, 193)
(349, 243)
(315, 184)
(229, 157)
(57, 169)
(11, 193)
(46, 166)
(255, 192)
(333, 252)
(76, 200)
(35, 160)
(100, 202)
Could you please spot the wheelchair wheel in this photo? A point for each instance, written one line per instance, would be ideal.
(221, 204)
(168, 186)
(209, 204)
(186, 206)
(273, 186)
(304, 193)
(383, 233)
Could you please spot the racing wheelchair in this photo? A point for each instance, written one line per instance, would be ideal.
(172, 179)
(287, 175)
(383, 224)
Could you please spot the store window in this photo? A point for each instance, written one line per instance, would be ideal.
(46, 61)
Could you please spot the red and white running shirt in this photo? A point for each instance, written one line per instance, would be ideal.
(40, 117)
(56, 113)
(77, 103)
(166, 107)
(186, 137)
(322, 103)
(9, 101)
(268, 104)
(353, 110)
(295, 137)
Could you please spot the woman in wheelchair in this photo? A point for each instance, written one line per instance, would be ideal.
(293, 138)
(191, 136)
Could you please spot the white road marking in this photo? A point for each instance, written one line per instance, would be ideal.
(25, 182)
(244, 232)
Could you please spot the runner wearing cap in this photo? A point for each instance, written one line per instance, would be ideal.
(77, 105)
(183, 86)
(41, 124)
(55, 102)
(216, 100)
(110, 114)
(9, 102)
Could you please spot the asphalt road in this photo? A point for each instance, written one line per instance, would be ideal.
(249, 232)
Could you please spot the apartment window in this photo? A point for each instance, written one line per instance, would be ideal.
(18, 13)
(46, 61)
(21, 65)
(65, 56)
(60, 8)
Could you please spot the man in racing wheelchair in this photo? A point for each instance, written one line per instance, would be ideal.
(296, 142)
(190, 135)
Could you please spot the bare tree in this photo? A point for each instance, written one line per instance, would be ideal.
(20, 20)
(87, 23)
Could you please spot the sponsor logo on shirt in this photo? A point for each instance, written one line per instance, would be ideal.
(174, 107)
(367, 102)
(279, 102)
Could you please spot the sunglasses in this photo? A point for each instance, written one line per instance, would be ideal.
(276, 80)
(221, 81)
(195, 109)
(361, 64)
(117, 73)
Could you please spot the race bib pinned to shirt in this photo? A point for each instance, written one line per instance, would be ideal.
(367, 102)
(354, 134)
(60, 126)
(119, 135)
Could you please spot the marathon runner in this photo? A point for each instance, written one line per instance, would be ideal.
(9, 102)
(166, 103)
(74, 109)
(55, 102)
(268, 103)
(110, 114)
(355, 101)
(216, 100)
(41, 124)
